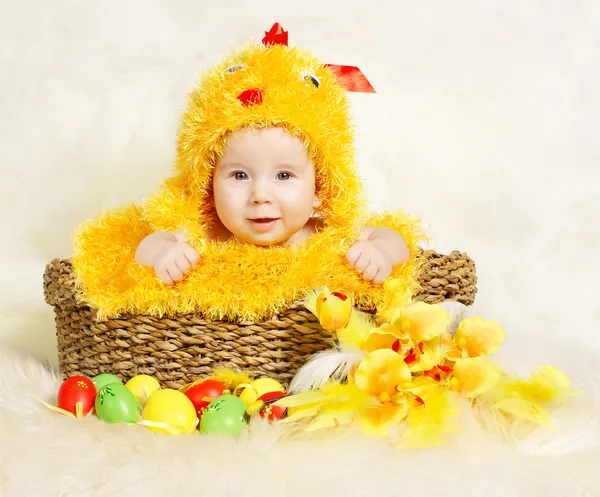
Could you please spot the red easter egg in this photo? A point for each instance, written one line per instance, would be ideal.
(77, 390)
(211, 389)
(270, 411)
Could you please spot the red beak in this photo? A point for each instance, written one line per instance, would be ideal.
(251, 97)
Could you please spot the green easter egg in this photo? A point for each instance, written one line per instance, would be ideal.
(115, 403)
(104, 379)
(225, 415)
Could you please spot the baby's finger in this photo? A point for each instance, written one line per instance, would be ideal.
(164, 276)
(182, 264)
(174, 272)
(380, 277)
(353, 255)
(191, 255)
(363, 263)
(384, 271)
(370, 272)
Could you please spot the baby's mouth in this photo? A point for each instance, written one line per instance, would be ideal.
(263, 223)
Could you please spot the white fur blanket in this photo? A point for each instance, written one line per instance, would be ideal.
(484, 124)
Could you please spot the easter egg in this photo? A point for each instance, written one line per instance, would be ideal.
(115, 403)
(260, 387)
(173, 408)
(143, 386)
(224, 416)
(77, 395)
(104, 379)
(270, 411)
(211, 389)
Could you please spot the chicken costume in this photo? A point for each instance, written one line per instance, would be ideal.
(268, 84)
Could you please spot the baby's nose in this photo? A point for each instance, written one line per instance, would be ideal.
(259, 193)
(251, 97)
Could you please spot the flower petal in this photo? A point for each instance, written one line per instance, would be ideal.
(432, 353)
(379, 420)
(475, 376)
(479, 336)
(381, 338)
(355, 334)
(382, 371)
(424, 362)
(423, 321)
(334, 310)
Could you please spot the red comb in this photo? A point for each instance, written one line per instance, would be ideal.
(276, 36)
(351, 78)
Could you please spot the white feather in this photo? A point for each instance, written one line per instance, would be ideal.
(458, 312)
(322, 367)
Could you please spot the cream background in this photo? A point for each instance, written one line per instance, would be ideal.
(485, 125)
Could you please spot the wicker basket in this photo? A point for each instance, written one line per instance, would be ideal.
(179, 351)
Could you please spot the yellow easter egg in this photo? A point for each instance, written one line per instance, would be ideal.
(248, 396)
(170, 411)
(143, 386)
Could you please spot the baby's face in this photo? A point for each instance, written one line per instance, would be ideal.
(264, 186)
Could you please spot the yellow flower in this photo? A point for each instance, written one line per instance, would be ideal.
(473, 377)
(417, 334)
(383, 337)
(477, 337)
(431, 355)
(333, 310)
(382, 373)
(422, 321)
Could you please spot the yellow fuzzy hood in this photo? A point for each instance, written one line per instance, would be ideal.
(233, 280)
(319, 116)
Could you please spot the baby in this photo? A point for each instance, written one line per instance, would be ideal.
(264, 193)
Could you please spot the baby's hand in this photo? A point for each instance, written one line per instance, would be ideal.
(370, 260)
(168, 254)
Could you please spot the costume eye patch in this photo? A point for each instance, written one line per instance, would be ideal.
(310, 78)
(235, 68)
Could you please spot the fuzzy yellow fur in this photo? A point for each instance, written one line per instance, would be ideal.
(232, 280)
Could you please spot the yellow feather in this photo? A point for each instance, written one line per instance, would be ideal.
(332, 419)
(525, 409)
(303, 398)
(430, 424)
(335, 404)
(546, 387)
(230, 377)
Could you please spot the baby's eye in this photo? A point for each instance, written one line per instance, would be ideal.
(284, 176)
(240, 175)
(310, 78)
(235, 68)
